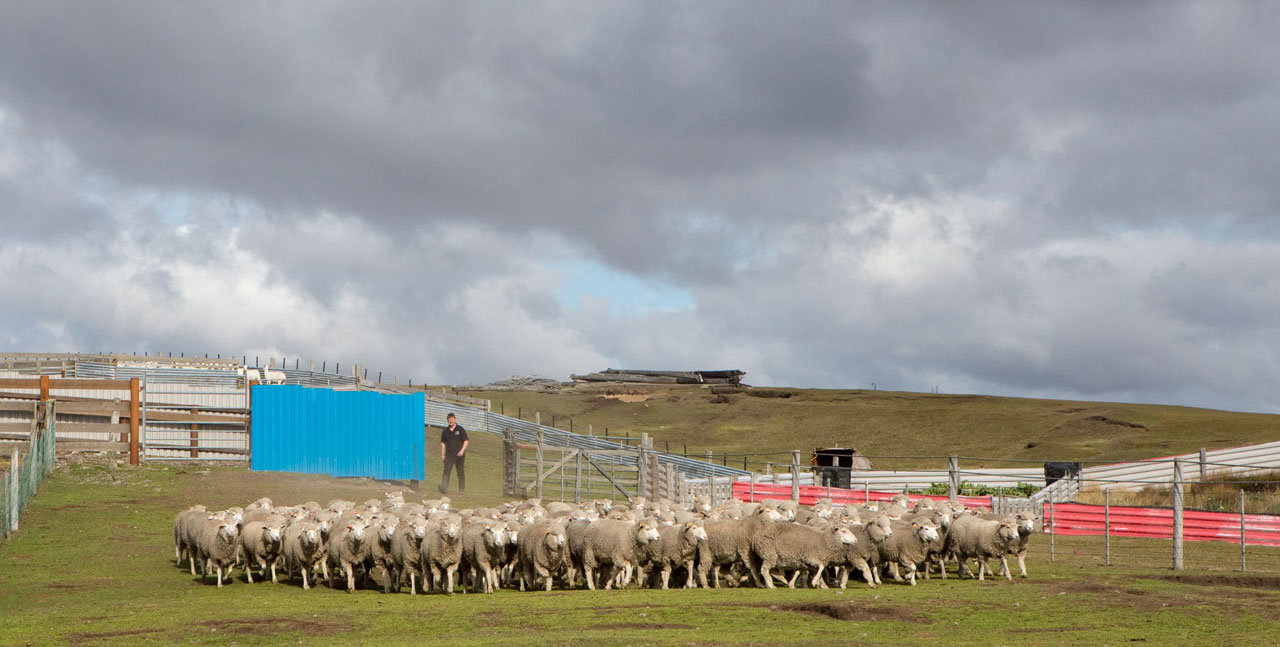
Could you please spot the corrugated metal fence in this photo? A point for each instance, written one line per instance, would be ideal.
(339, 433)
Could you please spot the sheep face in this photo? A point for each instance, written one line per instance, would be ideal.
(1026, 523)
(513, 534)
(273, 533)
(450, 528)
(355, 532)
(926, 531)
(1008, 531)
(310, 538)
(646, 533)
(846, 536)
(879, 529)
(696, 531)
(228, 531)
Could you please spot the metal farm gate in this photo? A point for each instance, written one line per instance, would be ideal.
(339, 433)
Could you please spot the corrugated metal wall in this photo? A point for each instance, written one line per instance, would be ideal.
(339, 433)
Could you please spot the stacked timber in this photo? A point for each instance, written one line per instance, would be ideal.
(637, 376)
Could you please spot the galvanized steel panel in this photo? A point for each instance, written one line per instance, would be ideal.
(349, 433)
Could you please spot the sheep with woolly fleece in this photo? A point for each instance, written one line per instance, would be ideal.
(971, 537)
(346, 549)
(677, 545)
(181, 542)
(406, 552)
(216, 545)
(542, 548)
(1026, 523)
(484, 543)
(617, 546)
(791, 546)
(864, 554)
(729, 543)
(195, 525)
(261, 541)
(442, 551)
(378, 555)
(304, 549)
(908, 545)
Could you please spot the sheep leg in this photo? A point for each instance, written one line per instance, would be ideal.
(816, 582)
(1004, 566)
(1022, 563)
(589, 572)
(448, 577)
(982, 567)
(911, 573)
(791, 581)
(666, 576)
(897, 575)
(607, 575)
(868, 575)
(766, 572)
(689, 582)
(349, 570)
(219, 575)
(549, 582)
(248, 571)
(715, 576)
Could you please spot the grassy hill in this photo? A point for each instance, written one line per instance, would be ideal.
(887, 424)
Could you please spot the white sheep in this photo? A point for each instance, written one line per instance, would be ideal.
(541, 547)
(972, 537)
(615, 545)
(304, 549)
(261, 542)
(346, 549)
(217, 545)
(442, 551)
(791, 546)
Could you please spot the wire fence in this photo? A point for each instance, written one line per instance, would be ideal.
(26, 472)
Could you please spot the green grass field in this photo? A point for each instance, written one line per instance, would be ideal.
(886, 424)
(93, 565)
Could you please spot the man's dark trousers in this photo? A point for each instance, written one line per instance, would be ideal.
(450, 461)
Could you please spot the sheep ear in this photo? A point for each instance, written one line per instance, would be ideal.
(547, 532)
(351, 526)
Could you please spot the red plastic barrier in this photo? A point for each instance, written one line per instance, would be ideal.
(1068, 518)
(1157, 523)
(809, 494)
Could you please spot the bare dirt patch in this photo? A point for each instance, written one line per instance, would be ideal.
(850, 611)
(1244, 581)
(93, 637)
(272, 626)
(628, 397)
(638, 625)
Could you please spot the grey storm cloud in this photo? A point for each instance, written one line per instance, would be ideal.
(1041, 198)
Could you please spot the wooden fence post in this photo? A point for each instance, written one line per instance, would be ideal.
(44, 388)
(644, 480)
(795, 475)
(1241, 530)
(1177, 514)
(134, 415)
(577, 477)
(953, 480)
(510, 473)
(537, 473)
(1204, 465)
(1106, 523)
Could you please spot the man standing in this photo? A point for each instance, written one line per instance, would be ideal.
(453, 449)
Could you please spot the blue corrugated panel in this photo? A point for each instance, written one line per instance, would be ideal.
(339, 433)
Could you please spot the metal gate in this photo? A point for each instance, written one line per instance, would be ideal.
(339, 433)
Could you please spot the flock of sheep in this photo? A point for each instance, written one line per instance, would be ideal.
(526, 545)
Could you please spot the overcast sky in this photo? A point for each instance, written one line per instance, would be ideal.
(1067, 200)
